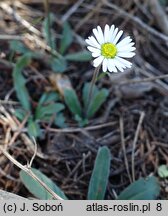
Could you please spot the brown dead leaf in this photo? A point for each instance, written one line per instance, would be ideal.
(59, 83)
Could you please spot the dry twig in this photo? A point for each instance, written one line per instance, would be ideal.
(159, 14)
(124, 149)
(137, 21)
(28, 170)
(134, 144)
(6, 7)
(72, 10)
(75, 130)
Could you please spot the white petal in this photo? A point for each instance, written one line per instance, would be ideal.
(98, 61)
(106, 33)
(129, 44)
(93, 42)
(118, 65)
(89, 42)
(100, 34)
(96, 54)
(93, 49)
(123, 42)
(96, 33)
(118, 37)
(112, 30)
(126, 54)
(105, 62)
(123, 61)
(113, 35)
(126, 48)
(126, 45)
(111, 66)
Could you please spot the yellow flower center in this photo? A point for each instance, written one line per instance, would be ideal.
(108, 50)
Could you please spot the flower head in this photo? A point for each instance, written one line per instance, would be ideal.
(108, 50)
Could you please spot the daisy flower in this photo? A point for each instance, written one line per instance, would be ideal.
(108, 50)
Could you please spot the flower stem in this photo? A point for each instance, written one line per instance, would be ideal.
(93, 81)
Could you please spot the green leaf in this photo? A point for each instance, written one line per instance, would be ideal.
(36, 189)
(60, 120)
(44, 111)
(86, 92)
(96, 102)
(142, 189)
(19, 47)
(48, 97)
(47, 25)
(67, 38)
(163, 2)
(100, 175)
(20, 114)
(19, 81)
(72, 102)
(163, 171)
(79, 56)
(33, 129)
(81, 121)
(58, 65)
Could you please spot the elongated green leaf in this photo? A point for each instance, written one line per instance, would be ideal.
(36, 189)
(18, 46)
(43, 111)
(142, 189)
(33, 129)
(19, 82)
(72, 102)
(58, 65)
(48, 97)
(81, 121)
(79, 56)
(86, 92)
(60, 120)
(67, 38)
(20, 114)
(47, 25)
(100, 174)
(96, 102)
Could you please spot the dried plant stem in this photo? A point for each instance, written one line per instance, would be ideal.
(142, 25)
(28, 170)
(7, 8)
(124, 149)
(134, 144)
(149, 79)
(78, 129)
(74, 7)
(93, 81)
(35, 152)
